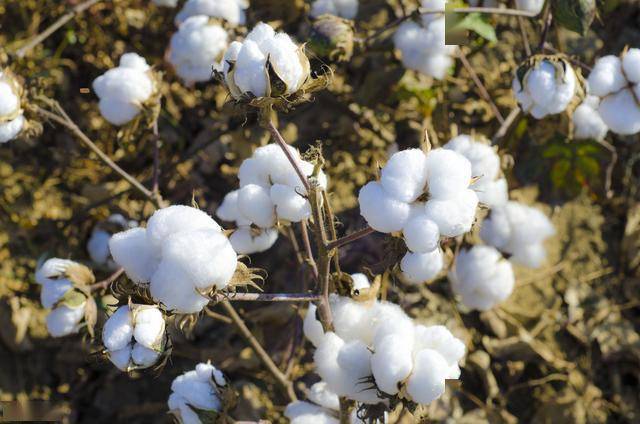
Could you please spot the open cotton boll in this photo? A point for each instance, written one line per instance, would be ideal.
(143, 357)
(421, 234)
(533, 6)
(246, 240)
(427, 380)
(197, 49)
(311, 327)
(530, 255)
(454, 216)
(587, 121)
(196, 389)
(232, 11)
(405, 175)
(382, 212)
(131, 250)
(123, 90)
(448, 173)
(254, 203)
(546, 88)
(320, 394)
(420, 267)
(53, 269)
(11, 118)
(170, 285)
(170, 220)
(63, 320)
(118, 330)
(351, 319)
(360, 281)
(149, 327)
(606, 76)
(481, 277)
(440, 339)
(347, 9)
(53, 291)
(493, 194)
(621, 112)
(307, 413)
(205, 257)
(98, 246)
(290, 205)
(121, 358)
(631, 65)
(391, 363)
(9, 99)
(10, 130)
(228, 210)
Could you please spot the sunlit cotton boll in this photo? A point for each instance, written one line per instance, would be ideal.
(246, 64)
(546, 88)
(64, 320)
(197, 49)
(347, 9)
(587, 121)
(246, 240)
(11, 119)
(418, 268)
(481, 277)
(124, 90)
(518, 230)
(98, 243)
(197, 393)
(382, 212)
(134, 336)
(232, 11)
(533, 6)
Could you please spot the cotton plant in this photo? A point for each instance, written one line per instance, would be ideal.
(519, 231)
(181, 256)
(533, 6)
(490, 185)
(587, 122)
(230, 11)
(377, 354)
(347, 9)
(322, 407)
(270, 193)
(134, 336)
(126, 90)
(196, 50)
(545, 85)
(98, 243)
(422, 44)
(616, 82)
(423, 197)
(481, 277)
(200, 395)
(11, 114)
(65, 292)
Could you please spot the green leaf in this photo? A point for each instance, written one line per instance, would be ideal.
(475, 22)
(588, 165)
(557, 150)
(575, 15)
(559, 173)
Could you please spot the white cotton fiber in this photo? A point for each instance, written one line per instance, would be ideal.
(606, 76)
(118, 330)
(246, 240)
(53, 269)
(228, 210)
(587, 121)
(197, 48)
(404, 176)
(448, 173)
(53, 291)
(391, 363)
(533, 6)
(172, 287)
(320, 394)
(454, 216)
(11, 116)
(347, 9)
(312, 327)
(481, 277)
(290, 205)
(421, 267)
(10, 130)
(63, 320)
(427, 381)
(121, 358)
(170, 220)
(232, 11)
(144, 357)
(631, 65)
(382, 212)
(621, 112)
(149, 327)
(360, 281)
(440, 339)
(198, 389)
(307, 413)
(131, 250)
(255, 204)
(421, 234)
(9, 100)
(124, 89)
(352, 320)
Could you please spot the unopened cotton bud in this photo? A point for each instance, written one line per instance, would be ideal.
(420, 267)
(232, 11)
(382, 212)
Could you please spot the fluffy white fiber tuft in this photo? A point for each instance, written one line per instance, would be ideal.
(11, 116)
(199, 389)
(347, 9)
(232, 11)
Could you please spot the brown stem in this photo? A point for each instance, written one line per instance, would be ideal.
(548, 17)
(259, 350)
(332, 228)
(267, 297)
(283, 145)
(481, 88)
(612, 163)
(346, 406)
(525, 37)
(296, 246)
(62, 20)
(155, 182)
(307, 248)
(504, 128)
(101, 285)
(350, 238)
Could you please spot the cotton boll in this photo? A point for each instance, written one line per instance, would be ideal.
(631, 65)
(587, 121)
(98, 246)
(117, 112)
(228, 210)
(52, 269)
(493, 194)
(485, 162)
(171, 286)
(254, 203)
(197, 389)
(421, 234)
(254, 171)
(391, 363)
(533, 6)
(196, 48)
(132, 251)
(320, 394)
(404, 176)
(250, 70)
(496, 229)
(144, 357)
(308, 413)
(547, 88)
(283, 56)
(290, 205)
(420, 267)
(246, 240)
(204, 257)
(621, 113)
(311, 327)
(606, 76)
(233, 11)
(10, 130)
(454, 216)
(121, 358)
(382, 212)
(347, 9)
(350, 319)
(448, 173)
(427, 381)
(360, 281)
(173, 219)
(118, 330)
(440, 339)
(63, 320)
(9, 101)
(529, 255)
(481, 277)
(53, 291)
(149, 327)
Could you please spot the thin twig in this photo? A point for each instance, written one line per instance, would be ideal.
(307, 248)
(101, 285)
(548, 17)
(259, 350)
(267, 297)
(155, 185)
(612, 163)
(350, 238)
(525, 37)
(285, 148)
(506, 125)
(294, 243)
(62, 20)
(481, 88)
(332, 228)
